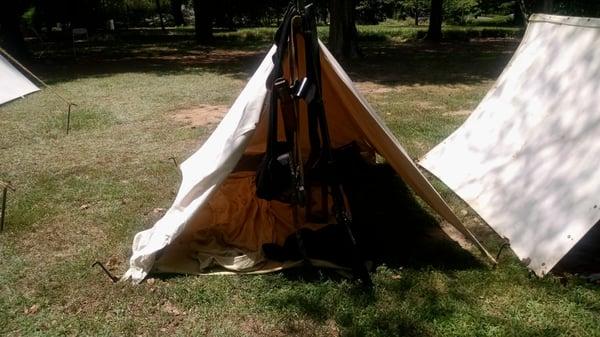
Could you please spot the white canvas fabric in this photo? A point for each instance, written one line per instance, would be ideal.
(12, 83)
(528, 157)
(208, 168)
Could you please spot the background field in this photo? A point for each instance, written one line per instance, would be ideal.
(81, 197)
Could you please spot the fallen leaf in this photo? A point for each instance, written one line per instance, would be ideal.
(32, 310)
(171, 309)
(112, 263)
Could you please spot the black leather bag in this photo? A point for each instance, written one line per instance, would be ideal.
(273, 176)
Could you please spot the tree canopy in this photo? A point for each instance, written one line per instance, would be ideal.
(43, 15)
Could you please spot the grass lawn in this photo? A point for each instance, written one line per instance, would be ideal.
(81, 197)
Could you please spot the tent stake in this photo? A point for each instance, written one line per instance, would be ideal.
(5, 188)
(69, 116)
(174, 160)
(113, 278)
(504, 245)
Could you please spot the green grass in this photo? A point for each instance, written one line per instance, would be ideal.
(82, 197)
(388, 31)
(491, 21)
(408, 33)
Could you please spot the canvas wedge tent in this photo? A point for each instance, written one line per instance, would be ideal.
(527, 159)
(13, 84)
(217, 219)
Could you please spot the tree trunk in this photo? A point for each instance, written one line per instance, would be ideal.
(126, 16)
(203, 16)
(548, 6)
(343, 36)
(160, 15)
(434, 33)
(416, 14)
(11, 37)
(177, 13)
(520, 18)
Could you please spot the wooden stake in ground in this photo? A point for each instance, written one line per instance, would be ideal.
(69, 116)
(5, 187)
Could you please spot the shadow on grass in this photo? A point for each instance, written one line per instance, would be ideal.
(421, 63)
(402, 232)
(396, 232)
(149, 55)
(385, 62)
(392, 229)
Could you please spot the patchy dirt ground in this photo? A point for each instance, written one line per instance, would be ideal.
(368, 87)
(201, 116)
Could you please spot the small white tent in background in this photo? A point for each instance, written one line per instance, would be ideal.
(13, 84)
(528, 158)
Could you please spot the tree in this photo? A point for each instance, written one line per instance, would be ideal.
(457, 11)
(372, 12)
(11, 37)
(160, 15)
(548, 6)
(343, 36)
(520, 18)
(203, 17)
(177, 13)
(434, 33)
(414, 8)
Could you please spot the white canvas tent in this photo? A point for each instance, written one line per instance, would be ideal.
(12, 83)
(528, 158)
(216, 217)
